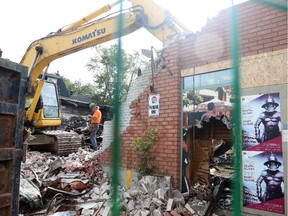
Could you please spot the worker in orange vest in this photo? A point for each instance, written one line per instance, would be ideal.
(95, 121)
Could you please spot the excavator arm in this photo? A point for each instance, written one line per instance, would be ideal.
(86, 33)
(157, 20)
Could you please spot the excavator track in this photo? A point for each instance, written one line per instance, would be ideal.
(56, 141)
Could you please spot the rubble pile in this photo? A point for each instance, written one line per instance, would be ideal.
(217, 196)
(51, 183)
(212, 193)
(77, 185)
(75, 123)
(216, 199)
(153, 195)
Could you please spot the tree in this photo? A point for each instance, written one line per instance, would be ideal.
(104, 68)
(79, 88)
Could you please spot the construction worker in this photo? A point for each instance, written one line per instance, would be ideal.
(95, 121)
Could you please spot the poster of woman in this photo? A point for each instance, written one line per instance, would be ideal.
(261, 122)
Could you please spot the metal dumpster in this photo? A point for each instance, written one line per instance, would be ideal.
(13, 82)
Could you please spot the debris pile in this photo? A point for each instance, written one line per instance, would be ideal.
(51, 183)
(77, 185)
(215, 197)
(222, 170)
(76, 123)
(153, 195)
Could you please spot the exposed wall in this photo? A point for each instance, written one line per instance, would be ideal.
(136, 120)
(138, 86)
(262, 30)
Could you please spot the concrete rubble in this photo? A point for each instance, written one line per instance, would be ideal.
(78, 185)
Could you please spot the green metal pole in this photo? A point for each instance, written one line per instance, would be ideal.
(236, 114)
(115, 157)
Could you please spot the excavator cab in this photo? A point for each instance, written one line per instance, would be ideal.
(49, 96)
(47, 116)
(47, 110)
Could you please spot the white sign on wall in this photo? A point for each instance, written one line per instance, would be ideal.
(154, 105)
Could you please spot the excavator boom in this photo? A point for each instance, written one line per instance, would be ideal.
(43, 111)
(83, 34)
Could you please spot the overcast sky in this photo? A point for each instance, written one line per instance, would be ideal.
(22, 22)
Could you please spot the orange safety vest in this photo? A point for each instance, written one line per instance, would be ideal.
(97, 114)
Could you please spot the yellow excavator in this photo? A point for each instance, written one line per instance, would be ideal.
(43, 109)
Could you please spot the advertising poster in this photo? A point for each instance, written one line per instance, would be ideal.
(261, 122)
(263, 181)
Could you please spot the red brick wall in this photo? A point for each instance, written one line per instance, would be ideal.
(167, 148)
(261, 29)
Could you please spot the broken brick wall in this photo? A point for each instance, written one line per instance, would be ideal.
(167, 147)
(262, 29)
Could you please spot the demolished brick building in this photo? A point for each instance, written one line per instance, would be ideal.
(205, 55)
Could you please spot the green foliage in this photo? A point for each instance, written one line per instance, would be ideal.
(192, 98)
(79, 88)
(146, 164)
(104, 67)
